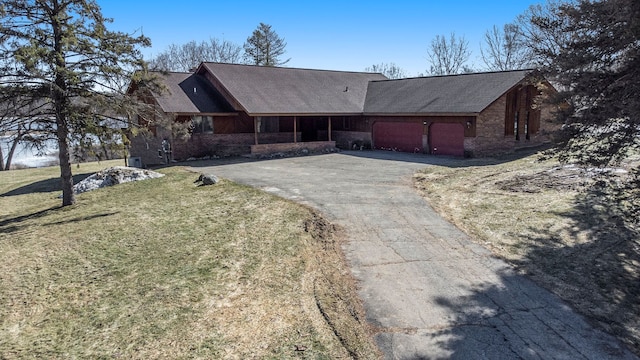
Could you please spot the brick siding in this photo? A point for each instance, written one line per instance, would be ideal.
(490, 136)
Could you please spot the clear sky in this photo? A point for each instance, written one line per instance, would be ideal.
(329, 34)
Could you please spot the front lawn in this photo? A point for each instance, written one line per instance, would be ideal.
(165, 269)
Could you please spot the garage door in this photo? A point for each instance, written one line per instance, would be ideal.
(446, 139)
(406, 137)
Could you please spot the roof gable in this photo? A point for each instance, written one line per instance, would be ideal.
(191, 94)
(274, 90)
(466, 93)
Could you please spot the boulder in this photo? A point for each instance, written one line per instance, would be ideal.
(207, 179)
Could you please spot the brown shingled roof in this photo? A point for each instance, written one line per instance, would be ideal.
(262, 90)
(190, 93)
(466, 93)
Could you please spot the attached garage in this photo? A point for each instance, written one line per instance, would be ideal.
(446, 139)
(466, 114)
(399, 136)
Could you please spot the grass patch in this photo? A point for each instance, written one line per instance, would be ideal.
(164, 269)
(554, 225)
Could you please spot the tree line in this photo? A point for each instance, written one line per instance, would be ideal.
(509, 47)
(513, 46)
(264, 48)
(66, 74)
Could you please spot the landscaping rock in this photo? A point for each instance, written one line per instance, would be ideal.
(207, 179)
(114, 176)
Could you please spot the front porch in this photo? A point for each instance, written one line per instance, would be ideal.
(312, 146)
(311, 133)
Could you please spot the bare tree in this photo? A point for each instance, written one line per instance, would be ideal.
(265, 47)
(505, 49)
(20, 124)
(390, 70)
(544, 30)
(448, 56)
(188, 56)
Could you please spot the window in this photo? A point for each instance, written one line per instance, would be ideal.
(522, 114)
(510, 118)
(268, 124)
(346, 123)
(202, 124)
(516, 121)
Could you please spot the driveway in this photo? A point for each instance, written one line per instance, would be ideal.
(429, 290)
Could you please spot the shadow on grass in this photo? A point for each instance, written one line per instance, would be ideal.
(16, 224)
(599, 276)
(44, 186)
(8, 223)
(82, 218)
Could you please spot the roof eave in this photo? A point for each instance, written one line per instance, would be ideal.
(306, 114)
(188, 113)
(422, 114)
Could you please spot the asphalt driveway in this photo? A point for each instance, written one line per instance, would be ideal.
(430, 291)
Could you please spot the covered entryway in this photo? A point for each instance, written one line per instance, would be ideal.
(446, 139)
(399, 136)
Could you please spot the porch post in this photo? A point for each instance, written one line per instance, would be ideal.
(329, 128)
(255, 129)
(295, 129)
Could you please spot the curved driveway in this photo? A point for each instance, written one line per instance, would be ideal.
(430, 292)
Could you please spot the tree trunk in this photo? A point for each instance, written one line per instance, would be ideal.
(14, 145)
(2, 159)
(105, 151)
(68, 198)
(62, 104)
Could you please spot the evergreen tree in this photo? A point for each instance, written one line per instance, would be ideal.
(264, 47)
(60, 53)
(597, 70)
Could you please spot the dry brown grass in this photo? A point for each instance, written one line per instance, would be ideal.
(554, 225)
(164, 269)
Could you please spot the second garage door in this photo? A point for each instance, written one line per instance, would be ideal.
(446, 139)
(399, 136)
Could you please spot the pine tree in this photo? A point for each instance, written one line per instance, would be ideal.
(60, 53)
(597, 70)
(264, 47)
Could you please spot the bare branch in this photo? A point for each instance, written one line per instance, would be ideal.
(448, 56)
(390, 70)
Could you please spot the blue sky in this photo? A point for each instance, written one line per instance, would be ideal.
(335, 35)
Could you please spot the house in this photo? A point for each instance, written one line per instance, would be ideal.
(233, 109)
